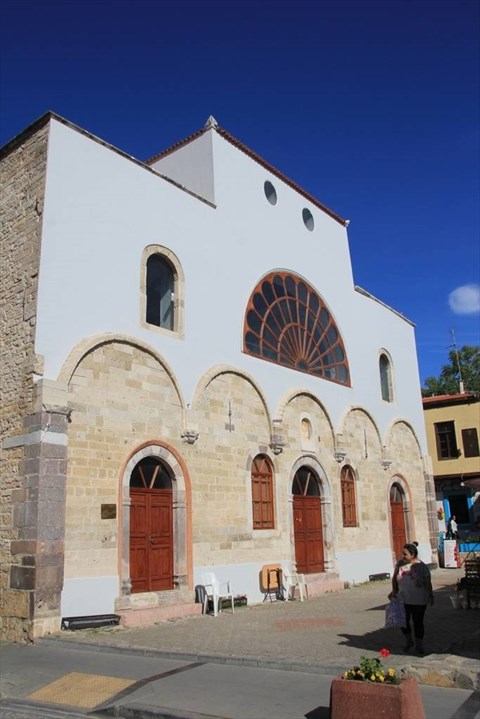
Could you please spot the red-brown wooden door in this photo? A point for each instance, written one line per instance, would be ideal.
(307, 527)
(151, 539)
(399, 537)
(308, 534)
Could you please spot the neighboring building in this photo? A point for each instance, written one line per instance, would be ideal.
(453, 427)
(191, 382)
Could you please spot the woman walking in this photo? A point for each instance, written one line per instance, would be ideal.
(412, 584)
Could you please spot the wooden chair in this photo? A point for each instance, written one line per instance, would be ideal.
(271, 581)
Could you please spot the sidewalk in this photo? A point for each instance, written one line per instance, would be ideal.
(324, 634)
(272, 660)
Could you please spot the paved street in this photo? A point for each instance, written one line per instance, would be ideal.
(275, 660)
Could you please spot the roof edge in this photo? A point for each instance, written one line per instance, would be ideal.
(173, 148)
(28, 131)
(449, 399)
(46, 117)
(361, 291)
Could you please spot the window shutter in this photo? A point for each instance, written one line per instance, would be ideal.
(470, 442)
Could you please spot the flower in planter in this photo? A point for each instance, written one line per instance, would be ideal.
(372, 670)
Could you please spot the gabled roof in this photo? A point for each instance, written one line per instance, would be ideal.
(212, 124)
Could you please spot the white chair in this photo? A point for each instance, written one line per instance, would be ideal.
(291, 580)
(216, 591)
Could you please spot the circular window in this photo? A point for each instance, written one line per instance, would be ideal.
(308, 220)
(270, 193)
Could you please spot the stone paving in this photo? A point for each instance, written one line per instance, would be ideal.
(328, 634)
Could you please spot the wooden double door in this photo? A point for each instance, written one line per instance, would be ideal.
(397, 518)
(151, 539)
(307, 522)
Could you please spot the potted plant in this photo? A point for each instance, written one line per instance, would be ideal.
(366, 687)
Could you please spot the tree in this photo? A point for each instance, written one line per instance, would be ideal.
(449, 380)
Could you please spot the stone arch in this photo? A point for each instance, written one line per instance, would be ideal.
(86, 346)
(307, 460)
(291, 394)
(120, 396)
(395, 424)
(344, 442)
(359, 408)
(287, 402)
(262, 449)
(182, 514)
(218, 370)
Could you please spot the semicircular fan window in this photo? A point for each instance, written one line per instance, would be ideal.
(286, 322)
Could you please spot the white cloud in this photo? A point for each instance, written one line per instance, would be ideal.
(465, 300)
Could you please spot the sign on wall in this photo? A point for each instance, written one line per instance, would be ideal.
(449, 552)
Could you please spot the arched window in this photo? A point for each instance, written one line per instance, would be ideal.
(262, 493)
(386, 377)
(288, 323)
(162, 290)
(151, 473)
(349, 507)
(305, 483)
(160, 296)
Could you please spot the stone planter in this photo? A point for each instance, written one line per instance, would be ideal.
(350, 699)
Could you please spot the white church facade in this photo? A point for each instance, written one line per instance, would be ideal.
(193, 383)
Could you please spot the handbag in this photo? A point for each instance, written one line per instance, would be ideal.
(395, 613)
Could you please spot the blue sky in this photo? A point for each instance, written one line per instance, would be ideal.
(372, 106)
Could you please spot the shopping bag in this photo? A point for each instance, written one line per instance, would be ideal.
(395, 613)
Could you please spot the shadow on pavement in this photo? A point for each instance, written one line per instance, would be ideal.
(374, 641)
(318, 713)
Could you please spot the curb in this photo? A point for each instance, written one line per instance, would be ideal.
(440, 670)
(309, 668)
(145, 711)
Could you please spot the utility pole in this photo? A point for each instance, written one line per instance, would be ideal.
(454, 345)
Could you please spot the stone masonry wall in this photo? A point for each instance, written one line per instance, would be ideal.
(22, 178)
(403, 448)
(120, 396)
(234, 427)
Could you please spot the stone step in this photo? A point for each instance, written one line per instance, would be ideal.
(142, 616)
(323, 582)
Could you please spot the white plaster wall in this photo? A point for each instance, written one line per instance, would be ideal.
(101, 210)
(356, 567)
(88, 595)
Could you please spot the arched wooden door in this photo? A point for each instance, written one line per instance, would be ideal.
(307, 522)
(397, 514)
(151, 526)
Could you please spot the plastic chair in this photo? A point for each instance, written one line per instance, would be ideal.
(216, 591)
(291, 580)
